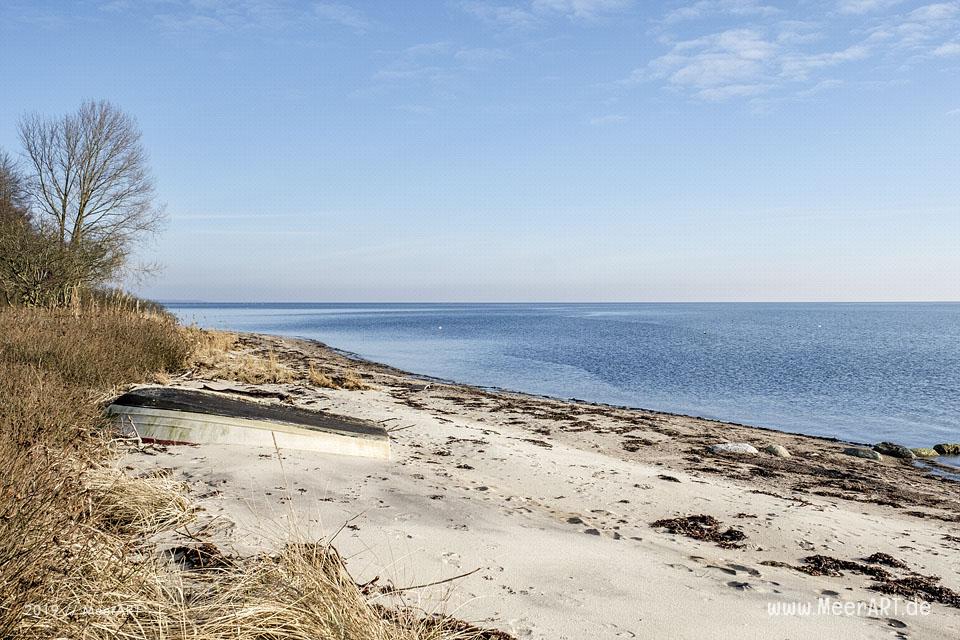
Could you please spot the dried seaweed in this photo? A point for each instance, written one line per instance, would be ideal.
(703, 527)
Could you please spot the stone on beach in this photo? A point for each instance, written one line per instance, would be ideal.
(947, 449)
(733, 447)
(777, 450)
(925, 452)
(868, 454)
(893, 450)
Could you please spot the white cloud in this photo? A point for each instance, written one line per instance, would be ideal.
(953, 112)
(947, 49)
(580, 8)
(799, 67)
(342, 14)
(613, 118)
(859, 7)
(774, 53)
(427, 49)
(718, 66)
(705, 8)
(915, 29)
(740, 63)
(501, 15)
(536, 12)
(479, 55)
(441, 67)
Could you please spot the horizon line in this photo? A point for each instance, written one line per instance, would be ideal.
(580, 302)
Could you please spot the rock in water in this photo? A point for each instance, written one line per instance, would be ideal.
(869, 454)
(947, 449)
(733, 447)
(777, 450)
(893, 450)
(925, 452)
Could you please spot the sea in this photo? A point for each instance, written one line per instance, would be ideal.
(861, 372)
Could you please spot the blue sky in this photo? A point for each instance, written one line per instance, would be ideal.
(526, 150)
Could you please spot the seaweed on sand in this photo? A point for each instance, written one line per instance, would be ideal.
(703, 527)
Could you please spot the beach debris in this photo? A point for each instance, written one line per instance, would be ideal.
(893, 450)
(733, 447)
(667, 478)
(885, 559)
(740, 586)
(913, 585)
(198, 557)
(925, 452)
(947, 449)
(859, 452)
(703, 527)
(820, 565)
(635, 444)
(777, 450)
(918, 587)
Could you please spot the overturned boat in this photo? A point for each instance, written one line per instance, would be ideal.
(171, 415)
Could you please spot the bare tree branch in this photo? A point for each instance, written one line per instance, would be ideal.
(91, 186)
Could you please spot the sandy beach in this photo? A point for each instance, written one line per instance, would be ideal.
(543, 510)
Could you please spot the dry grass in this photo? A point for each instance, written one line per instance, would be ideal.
(54, 365)
(221, 355)
(320, 379)
(217, 354)
(353, 382)
(249, 368)
(303, 593)
(141, 506)
(348, 380)
(92, 349)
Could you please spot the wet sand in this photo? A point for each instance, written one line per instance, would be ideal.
(547, 506)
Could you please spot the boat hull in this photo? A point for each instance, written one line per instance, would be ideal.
(185, 427)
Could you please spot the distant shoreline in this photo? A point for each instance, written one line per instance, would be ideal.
(863, 375)
(947, 462)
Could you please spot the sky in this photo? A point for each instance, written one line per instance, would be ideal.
(524, 150)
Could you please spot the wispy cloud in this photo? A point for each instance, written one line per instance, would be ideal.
(917, 29)
(775, 56)
(439, 67)
(538, 12)
(242, 15)
(613, 118)
(343, 15)
(706, 8)
(739, 63)
(736, 62)
(580, 8)
(500, 15)
(860, 7)
(481, 55)
(947, 49)
(800, 66)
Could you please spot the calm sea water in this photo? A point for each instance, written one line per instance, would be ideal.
(861, 372)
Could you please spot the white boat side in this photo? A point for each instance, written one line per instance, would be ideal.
(184, 427)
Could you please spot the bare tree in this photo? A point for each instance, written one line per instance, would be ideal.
(13, 191)
(91, 186)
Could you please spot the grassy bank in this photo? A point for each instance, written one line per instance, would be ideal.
(78, 554)
(55, 369)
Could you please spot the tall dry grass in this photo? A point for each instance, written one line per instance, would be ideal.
(218, 354)
(54, 365)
